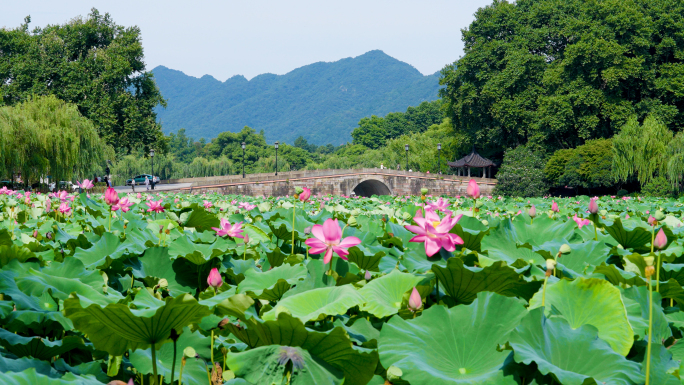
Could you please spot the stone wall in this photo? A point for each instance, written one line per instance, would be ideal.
(338, 182)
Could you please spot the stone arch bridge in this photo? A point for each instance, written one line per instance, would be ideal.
(362, 182)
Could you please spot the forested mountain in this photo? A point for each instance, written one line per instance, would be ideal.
(323, 102)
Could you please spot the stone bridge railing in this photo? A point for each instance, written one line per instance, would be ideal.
(365, 182)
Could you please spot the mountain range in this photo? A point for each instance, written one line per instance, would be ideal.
(323, 102)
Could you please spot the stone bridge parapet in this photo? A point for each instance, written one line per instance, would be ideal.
(362, 182)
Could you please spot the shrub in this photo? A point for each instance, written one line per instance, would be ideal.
(589, 166)
(657, 187)
(521, 174)
(555, 166)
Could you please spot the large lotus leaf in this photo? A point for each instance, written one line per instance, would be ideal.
(462, 283)
(257, 282)
(636, 304)
(194, 371)
(202, 220)
(87, 368)
(383, 296)
(570, 355)
(590, 302)
(365, 259)
(104, 251)
(672, 271)
(334, 347)
(581, 257)
(663, 363)
(37, 347)
(61, 279)
(316, 278)
(116, 328)
(24, 363)
(453, 346)
(8, 286)
(630, 234)
(361, 332)
(317, 303)
(156, 264)
(471, 232)
(199, 253)
(32, 377)
(519, 231)
(267, 365)
(11, 252)
(618, 276)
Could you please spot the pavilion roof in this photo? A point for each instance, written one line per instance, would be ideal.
(472, 160)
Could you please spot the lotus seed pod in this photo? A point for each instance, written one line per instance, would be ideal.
(565, 248)
(189, 352)
(485, 222)
(352, 222)
(299, 190)
(659, 215)
(394, 374)
(423, 191)
(649, 261)
(550, 264)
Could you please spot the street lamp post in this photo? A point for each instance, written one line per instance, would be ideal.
(439, 158)
(276, 148)
(152, 160)
(244, 145)
(406, 148)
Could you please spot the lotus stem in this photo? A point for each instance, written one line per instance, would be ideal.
(650, 330)
(212, 348)
(154, 364)
(294, 212)
(546, 279)
(595, 232)
(173, 363)
(652, 237)
(658, 272)
(180, 375)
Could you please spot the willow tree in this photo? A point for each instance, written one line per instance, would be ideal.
(47, 136)
(648, 151)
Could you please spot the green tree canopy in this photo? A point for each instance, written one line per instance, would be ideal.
(93, 63)
(556, 73)
(47, 136)
(521, 173)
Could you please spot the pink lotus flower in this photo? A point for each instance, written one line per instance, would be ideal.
(155, 206)
(651, 221)
(328, 239)
(64, 208)
(62, 195)
(440, 205)
(554, 207)
(234, 231)
(111, 197)
(305, 195)
(124, 204)
(175, 200)
(626, 216)
(207, 204)
(593, 206)
(473, 190)
(214, 279)
(48, 205)
(415, 301)
(660, 240)
(435, 232)
(581, 222)
(86, 185)
(138, 195)
(5, 191)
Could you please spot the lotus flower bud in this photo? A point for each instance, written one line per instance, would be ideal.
(565, 248)
(593, 206)
(473, 190)
(659, 215)
(550, 264)
(554, 207)
(660, 240)
(532, 212)
(214, 279)
(367, 276)
(415, 301)
(649, 261)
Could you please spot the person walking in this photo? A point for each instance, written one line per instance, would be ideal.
(147, 183)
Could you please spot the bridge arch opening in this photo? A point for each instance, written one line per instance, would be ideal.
(371, 187)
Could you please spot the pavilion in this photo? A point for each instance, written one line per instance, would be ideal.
(473, 160)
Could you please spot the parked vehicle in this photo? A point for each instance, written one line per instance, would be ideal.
(140, 180)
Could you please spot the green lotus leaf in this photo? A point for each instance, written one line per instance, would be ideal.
(462, 283)
(636, 304)
(199, 253)
(662, 364)
(316, 278)
(37, 347)
(581, 257)
(471, 231)
(590, 302)
(453, 346)
(103, 252)
(201, 220)
(156, 264)
(618, 276)
(32, 377)
(11, 252)
(365, 261)
(115, 328)
(258, 282)
(317, 303)
(383, 296)
(263, 366)
(361, 332)
(194, 371)
(93, 368)
(334, 347)
(629, 235)
(21, 364)
(235, 306)
(572, 356)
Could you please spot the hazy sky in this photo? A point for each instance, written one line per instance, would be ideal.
(226, 38)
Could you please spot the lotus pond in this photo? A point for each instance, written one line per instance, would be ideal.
(216, 289)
